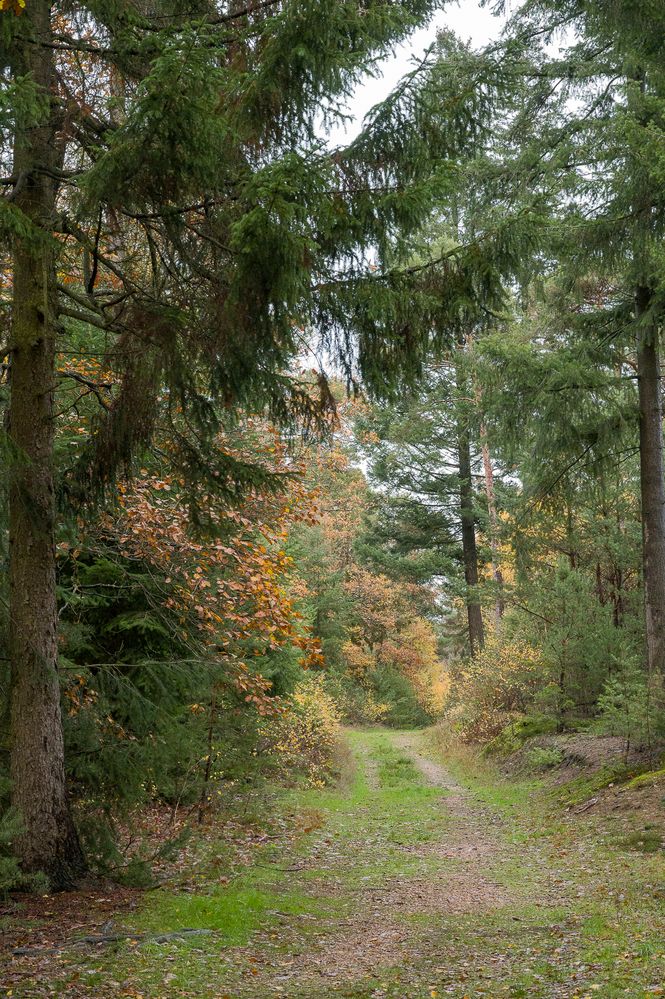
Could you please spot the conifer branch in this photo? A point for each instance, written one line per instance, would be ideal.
(95, 387)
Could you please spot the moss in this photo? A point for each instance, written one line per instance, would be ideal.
(649, 779)
(513, 736)
(581, 788)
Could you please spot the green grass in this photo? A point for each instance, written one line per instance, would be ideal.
(234, 913)
(395, 770)
(644, 841)
(366, 835)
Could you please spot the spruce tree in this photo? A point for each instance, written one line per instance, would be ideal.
(48, 840)
(167, 193)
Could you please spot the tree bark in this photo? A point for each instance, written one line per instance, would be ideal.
(570, 534)
(499, 606)
(468, 521)
(48, 841)
(617, 596)
(469, 548)
(652, 484)
(492, 517)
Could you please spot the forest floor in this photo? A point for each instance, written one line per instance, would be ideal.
(417, 878)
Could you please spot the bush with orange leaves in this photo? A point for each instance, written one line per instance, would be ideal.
(303, 737)
(232, 590)
(176, 644)
(495, 688)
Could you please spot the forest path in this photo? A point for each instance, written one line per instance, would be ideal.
(411, 880)
(423, 886)
(420, 852)
(430, 882)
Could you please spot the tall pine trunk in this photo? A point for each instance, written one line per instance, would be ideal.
(652, 484)
(467, 516)
(48, 841)
(493, 523)
(492, 516)
(469, 547)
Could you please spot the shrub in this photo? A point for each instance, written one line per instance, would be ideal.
(303, 738)
(356, 704)
(626, 704)
(398, 694)
(495, 688)
(578, 641)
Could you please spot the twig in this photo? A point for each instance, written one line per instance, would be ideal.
(94, 387)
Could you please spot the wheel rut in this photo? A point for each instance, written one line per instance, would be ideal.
(452, 877)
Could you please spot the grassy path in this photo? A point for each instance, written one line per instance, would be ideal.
(412, 882)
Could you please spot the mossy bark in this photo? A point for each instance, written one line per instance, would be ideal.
(48, 841)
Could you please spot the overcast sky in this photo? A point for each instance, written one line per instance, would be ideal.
(466, 18)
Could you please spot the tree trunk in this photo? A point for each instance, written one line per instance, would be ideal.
(600, 589)
(570, 534)
(617, 596)
(48, 841)
(492, 518)
(652, 484)
(468, 523)
(499, 605)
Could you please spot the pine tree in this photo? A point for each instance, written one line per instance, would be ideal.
(466, 504)
(582, 137)
(423, 456)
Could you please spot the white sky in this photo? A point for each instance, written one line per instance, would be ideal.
(466, 18)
